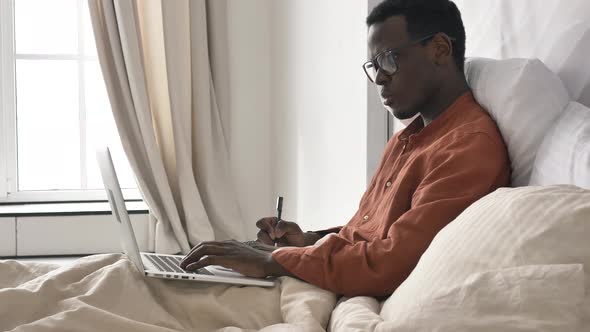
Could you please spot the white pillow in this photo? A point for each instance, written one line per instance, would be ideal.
(526, 298)
(509, 228)
(524, 98)
(529, 298)
(564, 155)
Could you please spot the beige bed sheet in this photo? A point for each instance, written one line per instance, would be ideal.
(107, 293)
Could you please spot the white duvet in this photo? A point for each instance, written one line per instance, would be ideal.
(107, 293)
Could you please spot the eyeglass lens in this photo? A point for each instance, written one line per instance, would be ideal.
(385, 62)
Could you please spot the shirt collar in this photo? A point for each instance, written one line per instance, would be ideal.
(417, 129)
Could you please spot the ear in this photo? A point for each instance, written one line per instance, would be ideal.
(442, 49)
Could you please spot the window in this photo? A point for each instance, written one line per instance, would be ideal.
(54, 107)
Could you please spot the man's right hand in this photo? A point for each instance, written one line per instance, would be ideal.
(283, 233)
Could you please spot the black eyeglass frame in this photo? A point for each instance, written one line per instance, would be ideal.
(375, 63)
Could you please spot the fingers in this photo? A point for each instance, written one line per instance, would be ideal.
(268, 225)
(286, 227)
(273, 230)
(206, 261)
(283, 242)
(263, 237)
(202, 249)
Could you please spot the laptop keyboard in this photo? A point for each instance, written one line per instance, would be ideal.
(172, 264)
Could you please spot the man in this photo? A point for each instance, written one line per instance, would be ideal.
(446, 159)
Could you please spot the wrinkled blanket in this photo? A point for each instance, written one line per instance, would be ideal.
(107, 293)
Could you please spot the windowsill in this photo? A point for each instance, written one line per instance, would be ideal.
(59, 260)
(67, 209)
(65, 196)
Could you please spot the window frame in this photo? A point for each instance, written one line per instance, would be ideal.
(8, 147)
(8, 118)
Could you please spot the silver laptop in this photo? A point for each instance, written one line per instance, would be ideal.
(159, 265)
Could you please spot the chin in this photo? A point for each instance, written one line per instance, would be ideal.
(402, 115)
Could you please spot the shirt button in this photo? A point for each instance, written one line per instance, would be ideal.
(366, 218)
(388, 184)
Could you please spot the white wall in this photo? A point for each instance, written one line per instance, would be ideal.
(318, 109)
(298, 108)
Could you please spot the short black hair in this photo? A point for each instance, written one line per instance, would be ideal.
(425, 17)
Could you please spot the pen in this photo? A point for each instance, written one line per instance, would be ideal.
(279, 212)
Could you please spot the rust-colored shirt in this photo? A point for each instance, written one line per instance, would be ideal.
(427, 176)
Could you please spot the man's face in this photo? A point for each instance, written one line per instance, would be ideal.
(409, 89)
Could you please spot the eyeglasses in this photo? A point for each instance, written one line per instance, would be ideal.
(386, 60)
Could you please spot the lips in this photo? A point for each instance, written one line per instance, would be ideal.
(387, 99)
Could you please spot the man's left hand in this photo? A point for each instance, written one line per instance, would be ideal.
(233, 255)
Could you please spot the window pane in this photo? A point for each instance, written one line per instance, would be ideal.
(102, 131)
(89, 44)
(48, 124)
(46, 27)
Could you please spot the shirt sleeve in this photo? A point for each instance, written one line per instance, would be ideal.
(465, 170)
(328, 231)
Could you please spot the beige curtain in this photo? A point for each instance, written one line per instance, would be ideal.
(157, 61)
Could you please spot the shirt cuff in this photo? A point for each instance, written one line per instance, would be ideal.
(300, 264)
